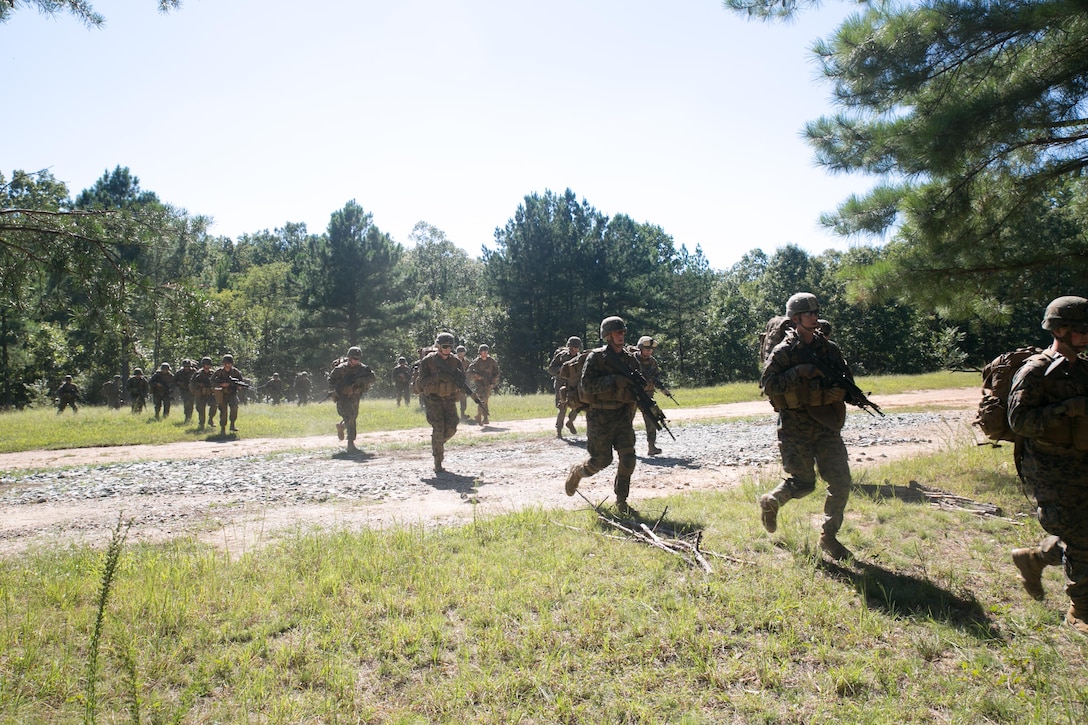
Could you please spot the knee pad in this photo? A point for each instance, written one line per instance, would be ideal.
(627, 461)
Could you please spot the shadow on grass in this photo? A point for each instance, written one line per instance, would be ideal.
(902, 595)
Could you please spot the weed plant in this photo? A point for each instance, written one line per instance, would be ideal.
(544, 617)
(39, 429)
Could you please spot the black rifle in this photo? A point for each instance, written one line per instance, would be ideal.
(839, 379)
(666, 391)
(638, 384)
(458, 378)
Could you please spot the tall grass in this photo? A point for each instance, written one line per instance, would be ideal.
(544, 617)
(97, 426)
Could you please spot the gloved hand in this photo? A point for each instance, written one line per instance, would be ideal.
(1076, 407)
(834, 395)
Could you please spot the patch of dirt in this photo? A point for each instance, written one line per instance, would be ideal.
(241, 494)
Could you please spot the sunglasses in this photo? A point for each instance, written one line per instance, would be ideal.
(447, 347)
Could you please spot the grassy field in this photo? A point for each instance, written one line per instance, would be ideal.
(545, 617)
(43, 429)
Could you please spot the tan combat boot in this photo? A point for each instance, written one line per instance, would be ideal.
(1077, 617)
(570, 426)
(768, 508)
(340, 430)
(577, 473)
(833, 548)
(1030, 565)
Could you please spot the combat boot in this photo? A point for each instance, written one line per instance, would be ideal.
(768, 507)
(1077, 616)
(352, 448)
(653, 450)
(624, 509)
(558, 431)
(577, 473)
(438, 465)
(570, 427)
(834, 549)
(1030, 565)
(340, 430)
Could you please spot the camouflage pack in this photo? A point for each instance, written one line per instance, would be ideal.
(774, 333)
(571, 375)
(993, 409)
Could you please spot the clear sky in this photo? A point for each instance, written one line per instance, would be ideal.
(261, 112)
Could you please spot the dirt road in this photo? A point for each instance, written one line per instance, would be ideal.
(240, 494)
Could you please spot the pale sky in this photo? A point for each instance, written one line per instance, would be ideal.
(262, 112)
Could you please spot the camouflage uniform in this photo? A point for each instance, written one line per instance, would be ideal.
(810, 418)
(608, 421)
(67, 395)
(200, 385)
(225, 384)
(182, 378)
(111, 391)
(650, 370)
(1053, 459)
(485, 376)
(435, 384)
(302, 388)
(348, 381)
(562, 401)
(162, 388)
(273, 388)
(462, 396)
(402, 381)
(137, 390)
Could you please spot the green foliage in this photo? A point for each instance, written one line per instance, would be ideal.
(971, 116)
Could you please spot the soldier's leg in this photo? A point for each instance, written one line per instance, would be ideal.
(562, 412)
(1067, 518)
(834, 466)
(651, 435)
(623, 440)
(166, 407)
(233, 406)
(451, 417)
(600, 425)
(437, 419)
(798, 460)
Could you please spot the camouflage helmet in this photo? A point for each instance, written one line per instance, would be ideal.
(205, 360)
(445, 338)
(612, 324)
(485, 348)
(1068, 310)
(825, 327)
(137, 371)
(164, 366)
(228, 358)
(67, 378)
(460, 349)
(116, 377)
(275, 375)
(802, 302)
(574, 341)
(647, 341)
(355, 353)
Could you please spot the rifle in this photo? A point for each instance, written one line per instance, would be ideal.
(645, 403)
(666, 391)
(458, 377)
(838, 378)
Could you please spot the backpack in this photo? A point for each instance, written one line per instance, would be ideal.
(774, 333)
(571, 373)
(993, 409)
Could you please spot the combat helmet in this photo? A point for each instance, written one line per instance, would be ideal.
(574, 341)
(205, 360)
(485, 348)
(460, 349)
(355, 353)
(1068, 310)
(802, 302)
(164, 366)
(228, 358)
(612, 324)
(647, 341)
(445, 338)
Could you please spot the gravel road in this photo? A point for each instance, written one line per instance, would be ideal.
(238, 501)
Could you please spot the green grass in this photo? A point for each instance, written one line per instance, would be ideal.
(39, 429)
(537, 617)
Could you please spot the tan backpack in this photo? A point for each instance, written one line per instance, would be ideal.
(993, 409)
(571, 375)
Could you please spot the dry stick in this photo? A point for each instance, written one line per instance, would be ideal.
(695, 552)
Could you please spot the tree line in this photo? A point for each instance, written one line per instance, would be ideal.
(114, 278)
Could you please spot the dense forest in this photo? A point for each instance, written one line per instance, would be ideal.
(115, 278)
